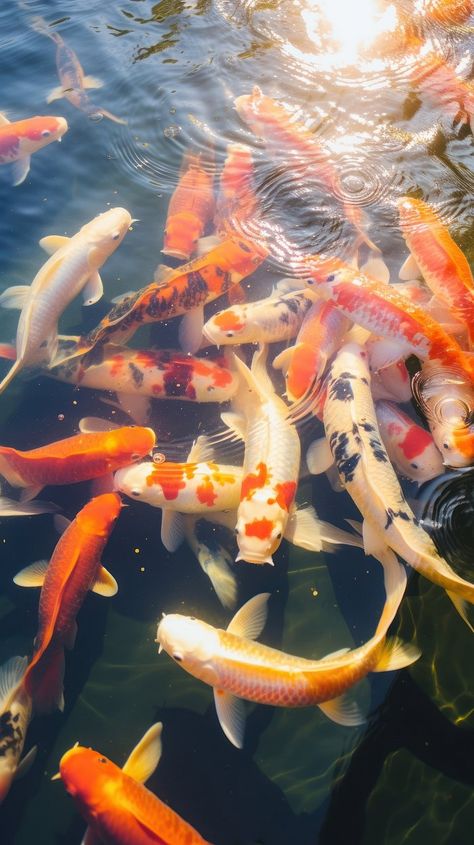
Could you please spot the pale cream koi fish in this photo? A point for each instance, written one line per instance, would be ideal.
(15, 715)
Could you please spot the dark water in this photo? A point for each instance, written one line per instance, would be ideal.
(172, 69)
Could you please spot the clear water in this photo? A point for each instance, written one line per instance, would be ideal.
(172, 69)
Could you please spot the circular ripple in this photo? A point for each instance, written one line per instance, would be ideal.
(448, 514)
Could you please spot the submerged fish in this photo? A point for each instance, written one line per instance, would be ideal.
(118, 807)
(445, 11)
(237, 201)
(15, 714)
(73, 267)
(73, 570)
(410, 447)
(19, 140)
(238, 668)
(73, 82)
(190, 210)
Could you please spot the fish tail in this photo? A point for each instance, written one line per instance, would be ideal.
(44, 679)
(110, 116)
(11, 374)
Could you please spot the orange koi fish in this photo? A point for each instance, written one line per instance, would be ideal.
(74, 569)
(19, 140)
(77, 458)
(238, 668)
(447, 401)
(236, 199)
(442, 264)
(276, 125)
(186, 288)
(190, 210)
(114, 801)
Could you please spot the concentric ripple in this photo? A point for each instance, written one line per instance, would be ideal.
(448, 514)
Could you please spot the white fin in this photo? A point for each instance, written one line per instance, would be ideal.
(357, 334)
(409, 270)
(9, 507)
(190, 330)
(3, 119)
(201, 450)
(136, 406)
(334, 654)
(343, 710)
(33, 575)
(288, 285)
(319, 456)
(92, 82)
(20, 170)
(61, 523)
(30, 492)
(163, 273)
(204, 245)
(56, 93)
(396, 655)
(92, 425)
(172, 529)
(15, 297)
(145, 757)
(383, 353)
(376, 268)
(93, 290)
(105, 583)
(283, 360)
(27, 762)
(90, 838)
(306, 530)
(462, 607)
(11, 674)
(235, 423)
(249, 621)
(216, 565)
(51, 243)
(231, 714)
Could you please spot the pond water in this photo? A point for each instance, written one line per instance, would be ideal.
(172, 70)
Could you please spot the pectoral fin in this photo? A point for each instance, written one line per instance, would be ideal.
(15, 296)
(20, 170)
(231, 714)
(190, 330)
(172, 529)
(56, 93)
(93, 290)
(136, 406)
(343, 710)
(3, 119)
(30, 492)
(145, 757)
(27, 762)
(51, 243)
(11, 674)
(92, 82)
(249, 621)
(236, 423)
(409, 270)
(319, 457)
(105, 583)
(33, 575)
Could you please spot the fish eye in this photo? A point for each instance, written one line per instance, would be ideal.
(278, 536)
(45, 133)
(178, 657)
(229, 334)
(135, 456)
(135, 492)
(101, 759)
(330, 278)
(115, 236)
(415, 466)
(192, 618)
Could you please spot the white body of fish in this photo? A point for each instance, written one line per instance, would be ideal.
(15, 715)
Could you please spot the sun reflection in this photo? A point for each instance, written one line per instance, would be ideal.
(353, 27)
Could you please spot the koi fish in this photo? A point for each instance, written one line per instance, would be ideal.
(77, 458)
(236, 200)
(187, 288)
(446, 11)
(440, 83)
(238, 668)
(19, 140)
(190, 210)
(442, 264)
(114, 801)
(410, 447)
(73, 82)
(73, 570)
(73, 267)
(15, 714)
(353, 441)
(276, 125)
(447, 401)
(275, 318)
(213, 558)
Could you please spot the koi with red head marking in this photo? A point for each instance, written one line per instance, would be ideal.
(19, 140)
(190, 210)
(410, 447)
(73, 570)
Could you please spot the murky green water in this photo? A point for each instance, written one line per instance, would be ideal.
(172, 69)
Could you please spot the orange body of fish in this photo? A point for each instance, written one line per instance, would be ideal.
(118, 809)
(72, 571)
(237, 201)
(77, 458)
(447, 11)
(190, 209)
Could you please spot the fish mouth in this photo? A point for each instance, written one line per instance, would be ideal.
(253, 558)
(176, 253)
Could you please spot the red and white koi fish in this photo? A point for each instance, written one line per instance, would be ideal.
(237, 201)
(73, 570)
(19, 140)
(275, 318)
(77, 458)
(355, 444)
(442, 264)
(73, 81)
(73, 267)
(276, 125)
(447, 401)
(410, 447)
(191, 208)
(237, 667)
(15, 714)
(114, 801)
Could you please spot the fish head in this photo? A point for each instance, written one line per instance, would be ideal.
(259, 530)
(257, 110)
(227, 327)
(105, 233)
(136, 481)
(181, 235)
(128, 444)
(446, 398)
(85, 773)
(411, 213)
(190, 642)
(99, 515)
(38, 132)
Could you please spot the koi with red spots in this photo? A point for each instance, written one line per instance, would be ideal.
(409, 446)
(19, 140)
(191, 208)
(73, 570)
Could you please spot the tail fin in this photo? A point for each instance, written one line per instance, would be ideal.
(44, 680)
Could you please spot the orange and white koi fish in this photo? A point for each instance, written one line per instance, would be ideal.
(447, 401)
(410, 447)
(19, 140)
(191, 208)
(77, 458)
(442, 264)
(355, 444)
(275, 318)
(73, 570)
(238, 668)
(276, 125)
(237, 201)
(73, 81)
(15, 714)
(114, 801)
(185, 289)
(73, 267)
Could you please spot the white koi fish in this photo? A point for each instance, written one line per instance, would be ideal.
(73, 267)
(213, 558)
(239, 668)
(19, 140)
(15, 715)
